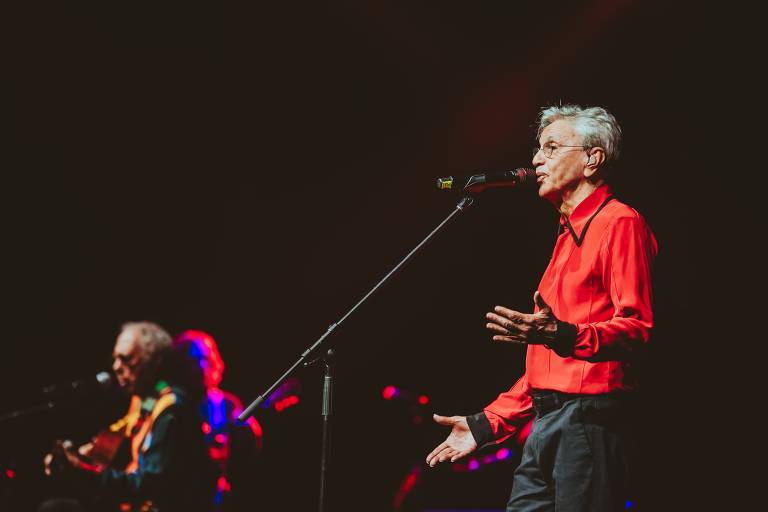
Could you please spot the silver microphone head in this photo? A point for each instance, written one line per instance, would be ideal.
(104, 379)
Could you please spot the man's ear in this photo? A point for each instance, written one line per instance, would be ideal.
(595, 158)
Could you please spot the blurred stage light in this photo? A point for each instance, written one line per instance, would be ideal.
(390, 392)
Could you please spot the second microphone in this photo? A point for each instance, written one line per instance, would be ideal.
(475, 183)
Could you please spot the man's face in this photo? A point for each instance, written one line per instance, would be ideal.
(564, 170)
(128, 361)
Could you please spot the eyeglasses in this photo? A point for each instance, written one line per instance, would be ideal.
(131, 363)
(549, 148)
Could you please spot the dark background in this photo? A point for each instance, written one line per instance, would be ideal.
(252, 170)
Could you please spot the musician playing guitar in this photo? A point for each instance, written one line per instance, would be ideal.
(169, 469)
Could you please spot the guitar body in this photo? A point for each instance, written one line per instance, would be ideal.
(103, 448)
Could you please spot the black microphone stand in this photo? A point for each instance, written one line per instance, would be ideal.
(29, 411)
(59, 396)
(328, 359)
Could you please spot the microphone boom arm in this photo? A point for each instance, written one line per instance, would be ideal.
(248, 411)
(328, 357)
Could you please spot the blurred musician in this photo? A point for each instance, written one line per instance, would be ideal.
(154, 459)
(232, 445)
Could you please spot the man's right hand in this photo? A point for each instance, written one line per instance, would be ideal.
(460, 441)
(61, 458)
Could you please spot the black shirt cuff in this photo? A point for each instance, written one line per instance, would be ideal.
(480, 428)
(565, 339)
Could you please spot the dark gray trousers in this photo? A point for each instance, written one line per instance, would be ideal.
(577, 458)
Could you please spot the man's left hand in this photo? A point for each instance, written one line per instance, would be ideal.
(526, 328)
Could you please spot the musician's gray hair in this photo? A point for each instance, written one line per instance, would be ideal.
(152, 338)
(596, 126)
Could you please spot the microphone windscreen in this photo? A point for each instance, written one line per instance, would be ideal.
(104, 379)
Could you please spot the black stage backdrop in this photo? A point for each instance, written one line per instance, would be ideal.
(252, 170)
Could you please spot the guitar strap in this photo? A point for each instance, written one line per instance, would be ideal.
(142, 439)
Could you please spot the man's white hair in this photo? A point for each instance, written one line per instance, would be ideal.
(596, 126)
(152, 338)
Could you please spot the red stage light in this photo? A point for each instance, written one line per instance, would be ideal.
(286, 402)
(223, 484)
(390, 392)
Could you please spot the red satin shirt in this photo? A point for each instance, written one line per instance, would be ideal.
(599, 280)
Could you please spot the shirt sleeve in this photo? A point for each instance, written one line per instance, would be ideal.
(627, 254)
(504, 417)
(150, 478)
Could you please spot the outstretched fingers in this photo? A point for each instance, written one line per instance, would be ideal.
(459, 442)
(511, 320)
(510, 339)
(444, 420)
(496, 327)
(445, 453)
(434, 456)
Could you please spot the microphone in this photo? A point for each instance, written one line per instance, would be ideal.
(102, 380)
(480, 182)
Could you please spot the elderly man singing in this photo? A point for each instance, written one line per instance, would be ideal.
(592, 319)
